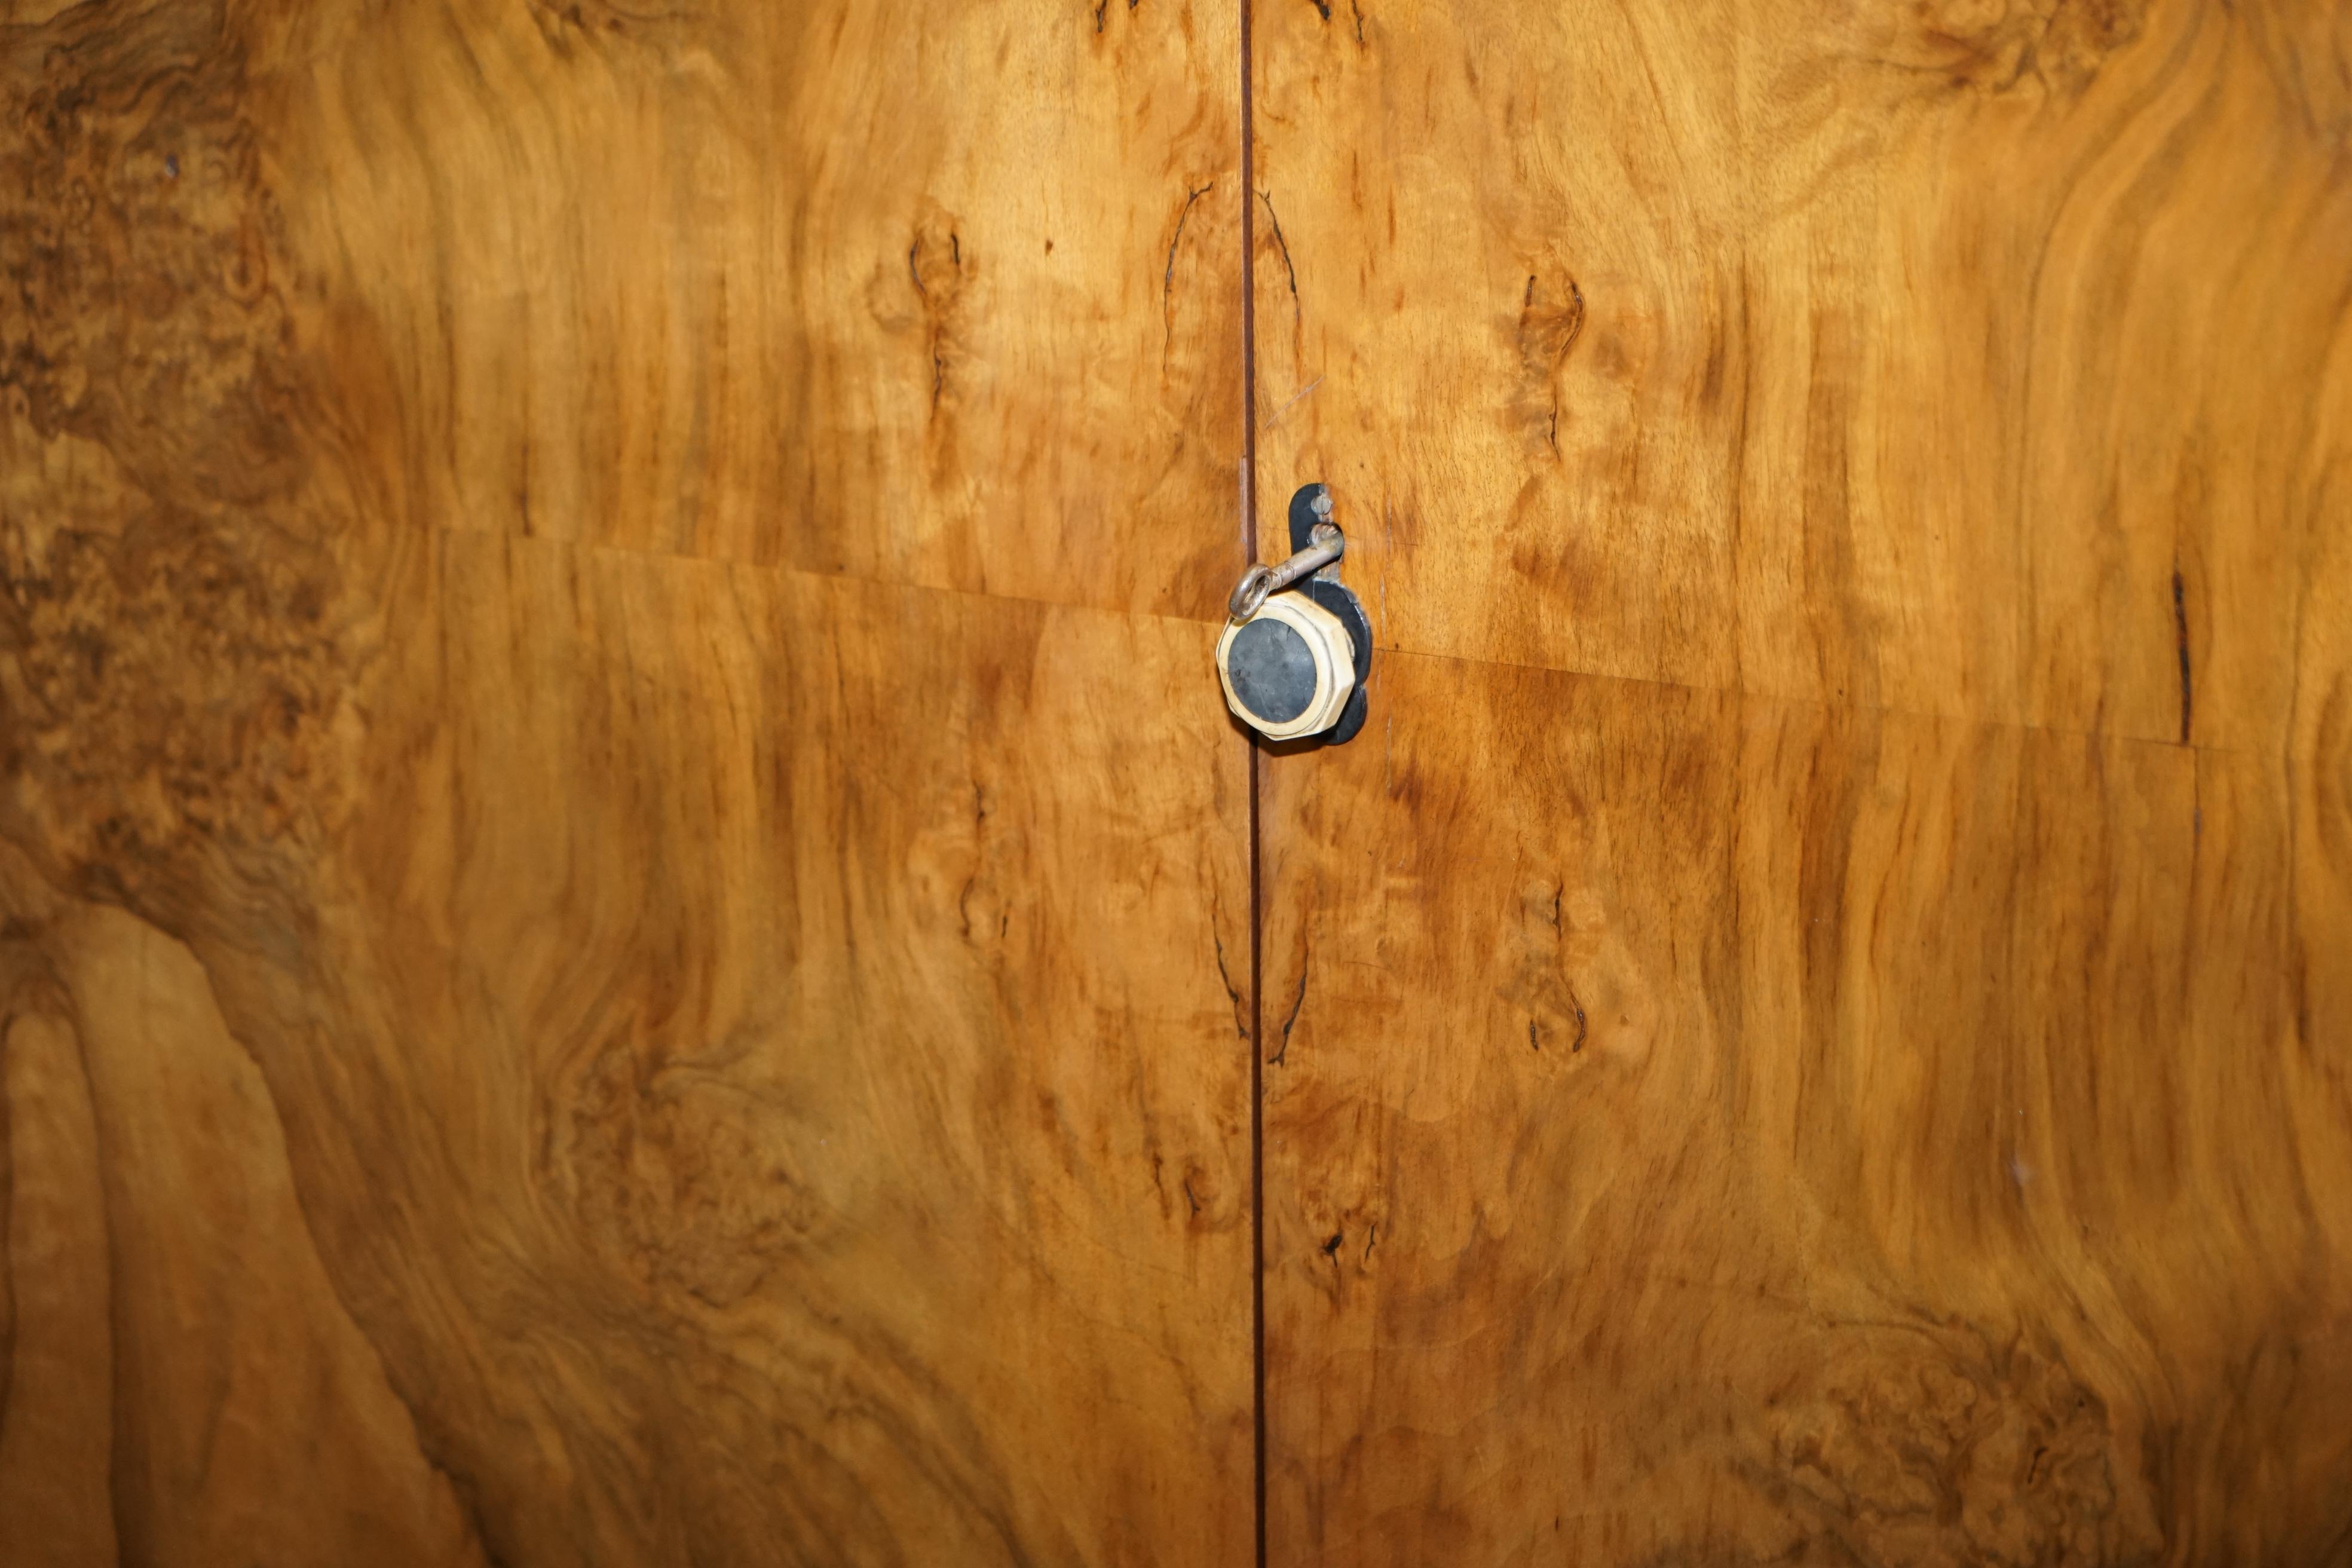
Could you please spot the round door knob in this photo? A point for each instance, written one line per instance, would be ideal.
(1288, 670)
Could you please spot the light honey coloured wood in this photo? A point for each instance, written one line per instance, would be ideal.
(1703, 1127)
(574, 990)
(1960, 359)
(1814, 1024)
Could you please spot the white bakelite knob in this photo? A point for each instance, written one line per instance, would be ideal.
(1288, 670)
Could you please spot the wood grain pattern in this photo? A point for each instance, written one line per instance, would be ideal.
(798, 285)
(186, 1382)
(1708, 1128)
(1960, 359)
(1813, 1025)
(623, 899)
(572, 989)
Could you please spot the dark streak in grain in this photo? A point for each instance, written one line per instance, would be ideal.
(1289, 271)
(1283, 1051)
(2180, 633)
(1240, 1026)
(1546, 331)
(1167, 279)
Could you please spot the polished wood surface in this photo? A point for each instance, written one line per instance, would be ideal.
(1707, 1127)
(1972, 360)
(625, 902)
(1814, 1025)
(625, 898)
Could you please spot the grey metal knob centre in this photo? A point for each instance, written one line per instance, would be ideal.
(1273, 670)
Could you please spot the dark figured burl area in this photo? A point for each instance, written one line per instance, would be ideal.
(166, 591)
(1942, 1446)
(2046, 45)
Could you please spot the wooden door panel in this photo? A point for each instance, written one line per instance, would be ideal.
(635, 1050)
(727, 1152)
(948, 298)
(1809, 1025)
(1703, 1128)
(1958, 359)
(185, 1384)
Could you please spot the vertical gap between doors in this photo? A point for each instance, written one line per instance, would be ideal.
(1257, 880)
